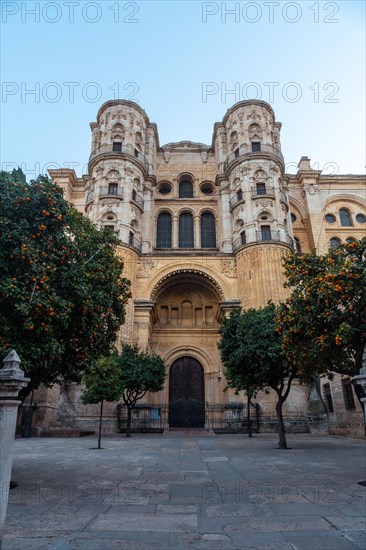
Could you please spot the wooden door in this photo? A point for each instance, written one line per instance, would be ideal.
(186, 394)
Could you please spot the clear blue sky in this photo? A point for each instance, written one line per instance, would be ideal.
(163, 54)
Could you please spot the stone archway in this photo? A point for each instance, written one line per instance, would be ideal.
(186, 394)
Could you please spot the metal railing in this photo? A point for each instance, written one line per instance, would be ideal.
(268, 235)
(90, 197)
(240, 241)
(128, 150)
(236, 199)
(263, 192)
(111, 192)
(262, 237)
(137, 199)
(247, 150)
(225, 418)
(273, 236)
(136, 243)
(283, 197)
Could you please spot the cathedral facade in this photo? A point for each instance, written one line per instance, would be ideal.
(203, 230)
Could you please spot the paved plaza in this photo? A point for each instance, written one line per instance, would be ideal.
(187, 491)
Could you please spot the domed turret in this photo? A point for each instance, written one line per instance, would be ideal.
(251, 173)
(121, 167)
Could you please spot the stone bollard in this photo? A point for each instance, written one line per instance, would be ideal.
(11, 381)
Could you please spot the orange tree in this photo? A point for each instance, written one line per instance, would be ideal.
(62, 294)
(323, 322)
(102, 383)
(251, 351)
(140, 372)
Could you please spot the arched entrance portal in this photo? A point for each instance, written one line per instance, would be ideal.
(186, 394)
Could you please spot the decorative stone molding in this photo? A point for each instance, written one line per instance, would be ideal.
(310, 188)
(254, 116)
(204, 156)
(263, 203)
(145, 266)
(228, 267)
(109, 203)
(198, 272)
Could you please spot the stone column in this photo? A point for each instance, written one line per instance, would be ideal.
(175, 236)
(11, 381)
(143, 309)
(226, 228)
(197, 239)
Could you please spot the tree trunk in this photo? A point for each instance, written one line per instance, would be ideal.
(128, 427)
(248, 417)
(100, 424)
(280, 425)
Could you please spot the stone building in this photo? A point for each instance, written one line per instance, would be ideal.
(202, 230)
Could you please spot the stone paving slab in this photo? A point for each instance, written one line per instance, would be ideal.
(224, 492)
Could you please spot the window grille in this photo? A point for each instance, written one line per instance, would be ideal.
(117, 146)
(185, 189)
(266, 232)
(261, 188)
(112, 189)
(186, 233)
(164, 231)
(208, 230)
(345, 218)
(334, 242)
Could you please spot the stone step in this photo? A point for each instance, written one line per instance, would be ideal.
(179, 432)
(66, 433)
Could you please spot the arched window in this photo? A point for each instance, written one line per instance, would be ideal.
(185, 189)
(334, 242)
(164, 231)
(345, 217)
(208, 230)
(186, 235)
(297, 245)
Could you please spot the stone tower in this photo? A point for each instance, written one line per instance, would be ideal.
(120, 182)
(254, 202)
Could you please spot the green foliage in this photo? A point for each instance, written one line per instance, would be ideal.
(140, 372)
(17, 175)
(324, 320)
(103, 381)
(251, 350)
(62, 291)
